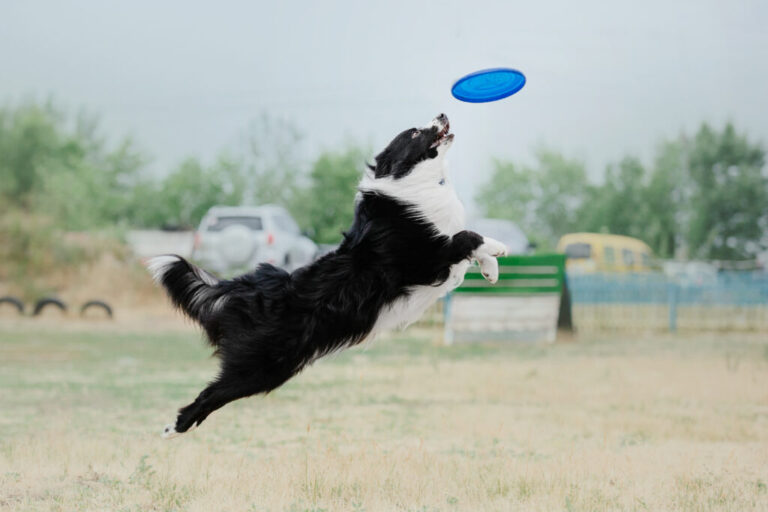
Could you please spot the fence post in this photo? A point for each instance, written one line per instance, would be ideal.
(565, 313)
(447, 330)
(672, 292)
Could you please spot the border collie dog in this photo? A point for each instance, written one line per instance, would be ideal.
(406, 248)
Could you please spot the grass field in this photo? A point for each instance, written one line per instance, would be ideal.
(594, 424)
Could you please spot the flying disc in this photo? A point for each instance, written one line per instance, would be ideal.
(488, 85)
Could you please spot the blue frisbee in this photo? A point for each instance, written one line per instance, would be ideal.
(488, 85)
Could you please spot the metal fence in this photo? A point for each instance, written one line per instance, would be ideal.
(728, 301)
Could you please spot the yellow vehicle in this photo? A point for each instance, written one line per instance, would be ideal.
(599, 252)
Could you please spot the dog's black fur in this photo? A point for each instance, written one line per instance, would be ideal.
(268, 325)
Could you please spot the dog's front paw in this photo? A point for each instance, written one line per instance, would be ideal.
(493, 247)
(489, 267)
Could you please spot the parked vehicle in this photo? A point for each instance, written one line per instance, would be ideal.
(600, 252)
(233, 239)
(505, 231)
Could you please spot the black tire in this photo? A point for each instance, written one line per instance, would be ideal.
(97, 304)
(48, 301)
(14, 302)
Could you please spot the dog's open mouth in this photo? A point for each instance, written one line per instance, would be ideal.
(444, 135)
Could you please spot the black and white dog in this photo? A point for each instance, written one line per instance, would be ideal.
(404, 250)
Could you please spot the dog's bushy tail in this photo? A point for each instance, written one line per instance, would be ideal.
(193, 290)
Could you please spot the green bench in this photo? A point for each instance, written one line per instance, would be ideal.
(522, 306)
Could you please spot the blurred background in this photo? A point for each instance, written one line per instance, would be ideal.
(115, 123)
(628, 177)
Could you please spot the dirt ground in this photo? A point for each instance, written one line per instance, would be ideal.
(595, 423)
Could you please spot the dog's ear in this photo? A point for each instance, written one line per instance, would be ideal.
(385, 166)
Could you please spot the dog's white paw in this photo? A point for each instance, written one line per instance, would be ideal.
(493, 247)
(489, 267)
(169, 432)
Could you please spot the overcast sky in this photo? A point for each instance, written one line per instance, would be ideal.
(604, 78)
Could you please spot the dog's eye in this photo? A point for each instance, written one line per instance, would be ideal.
(415, 134)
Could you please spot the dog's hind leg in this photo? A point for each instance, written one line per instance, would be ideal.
(229, 386)
(192, 415)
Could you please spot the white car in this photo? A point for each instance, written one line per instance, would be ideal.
(234, 239)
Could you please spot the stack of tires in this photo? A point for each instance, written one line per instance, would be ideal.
(48, 302)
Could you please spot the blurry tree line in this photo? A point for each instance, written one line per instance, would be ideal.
(703, 196)
(61, 167)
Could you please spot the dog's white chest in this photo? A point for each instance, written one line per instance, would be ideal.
(445, 211)
(435, 200)
(429, 191)
(404, 311)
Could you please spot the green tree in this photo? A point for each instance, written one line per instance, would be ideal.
(325, 208)
(184, 196)
(62, 168)
(665, 200)
(706, 194)
(267, 170)
(545, 199)
(618, 205)
(729, 194)
(31, 141)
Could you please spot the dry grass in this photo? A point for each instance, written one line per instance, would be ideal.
(612, 424)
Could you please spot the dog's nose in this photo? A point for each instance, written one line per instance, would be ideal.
(442, 118)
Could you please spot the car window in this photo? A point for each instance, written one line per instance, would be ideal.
(610, 256)
(221, 223)
(628, 256)
(578, 250)
(646, 259)
(287, 224)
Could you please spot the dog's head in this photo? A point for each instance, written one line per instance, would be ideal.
(413, 147)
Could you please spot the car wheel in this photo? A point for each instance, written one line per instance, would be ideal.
(237, 246)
